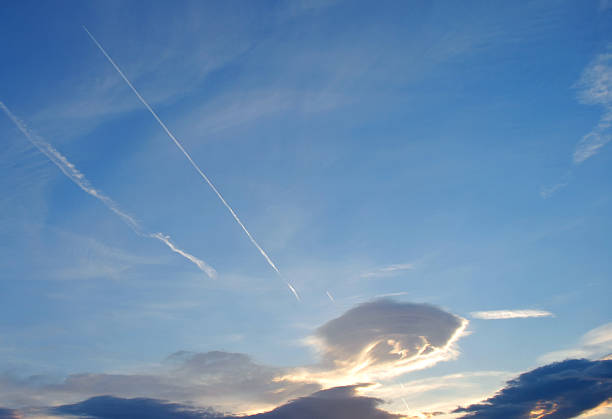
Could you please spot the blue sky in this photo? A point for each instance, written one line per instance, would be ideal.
(442, 153)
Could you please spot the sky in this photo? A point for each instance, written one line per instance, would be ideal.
(309, 208)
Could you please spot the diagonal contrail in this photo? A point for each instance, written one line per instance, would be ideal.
(81, 181)
(193, 163)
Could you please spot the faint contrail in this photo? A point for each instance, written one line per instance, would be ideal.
(193, 163)
(81, 181)
(331, 297)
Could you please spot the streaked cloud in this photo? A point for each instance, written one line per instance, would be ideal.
(389, 270)
(596, 89)
(180, 146)
(82, 182)
(510, 314)
(560, 390)
(594, 344)
(548, 191)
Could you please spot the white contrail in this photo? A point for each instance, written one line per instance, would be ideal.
(193, 163)
(331, 297)
(81, 181)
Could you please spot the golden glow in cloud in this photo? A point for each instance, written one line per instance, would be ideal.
(379, 341)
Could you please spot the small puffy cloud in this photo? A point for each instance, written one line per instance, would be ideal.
(596, 343)
(555, 391)
(381, 339)
(510, 314)
(334, 403)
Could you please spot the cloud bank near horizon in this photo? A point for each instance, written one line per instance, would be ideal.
(370, 343)
(555, 391)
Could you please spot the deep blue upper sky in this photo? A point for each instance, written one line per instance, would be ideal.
(451, 153)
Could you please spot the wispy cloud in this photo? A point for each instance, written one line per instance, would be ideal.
(82, 182)
(596, 343)
(194, 164)
(390, 270)
(548, 191)
(594, 88)
(510, 314)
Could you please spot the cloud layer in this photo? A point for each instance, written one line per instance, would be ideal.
(556, 391)
(335, 403)
(370, 343)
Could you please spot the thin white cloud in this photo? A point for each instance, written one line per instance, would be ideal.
(596, 89)
(392, 294)
(194, 164)
(548, 191)
(510, 314)
(82, 182)
(390, 270)
(595, 344)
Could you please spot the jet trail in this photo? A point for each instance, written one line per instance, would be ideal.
(193, 163)
(81, 181)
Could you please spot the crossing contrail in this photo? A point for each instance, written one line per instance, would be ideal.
(81, 181)
(193, 163)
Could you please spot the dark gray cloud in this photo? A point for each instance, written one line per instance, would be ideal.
(109, 407)
(9, 414)
(335, 403)
(200, 377)
(557, 391)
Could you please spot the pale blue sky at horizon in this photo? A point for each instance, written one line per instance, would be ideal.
(443, 153)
